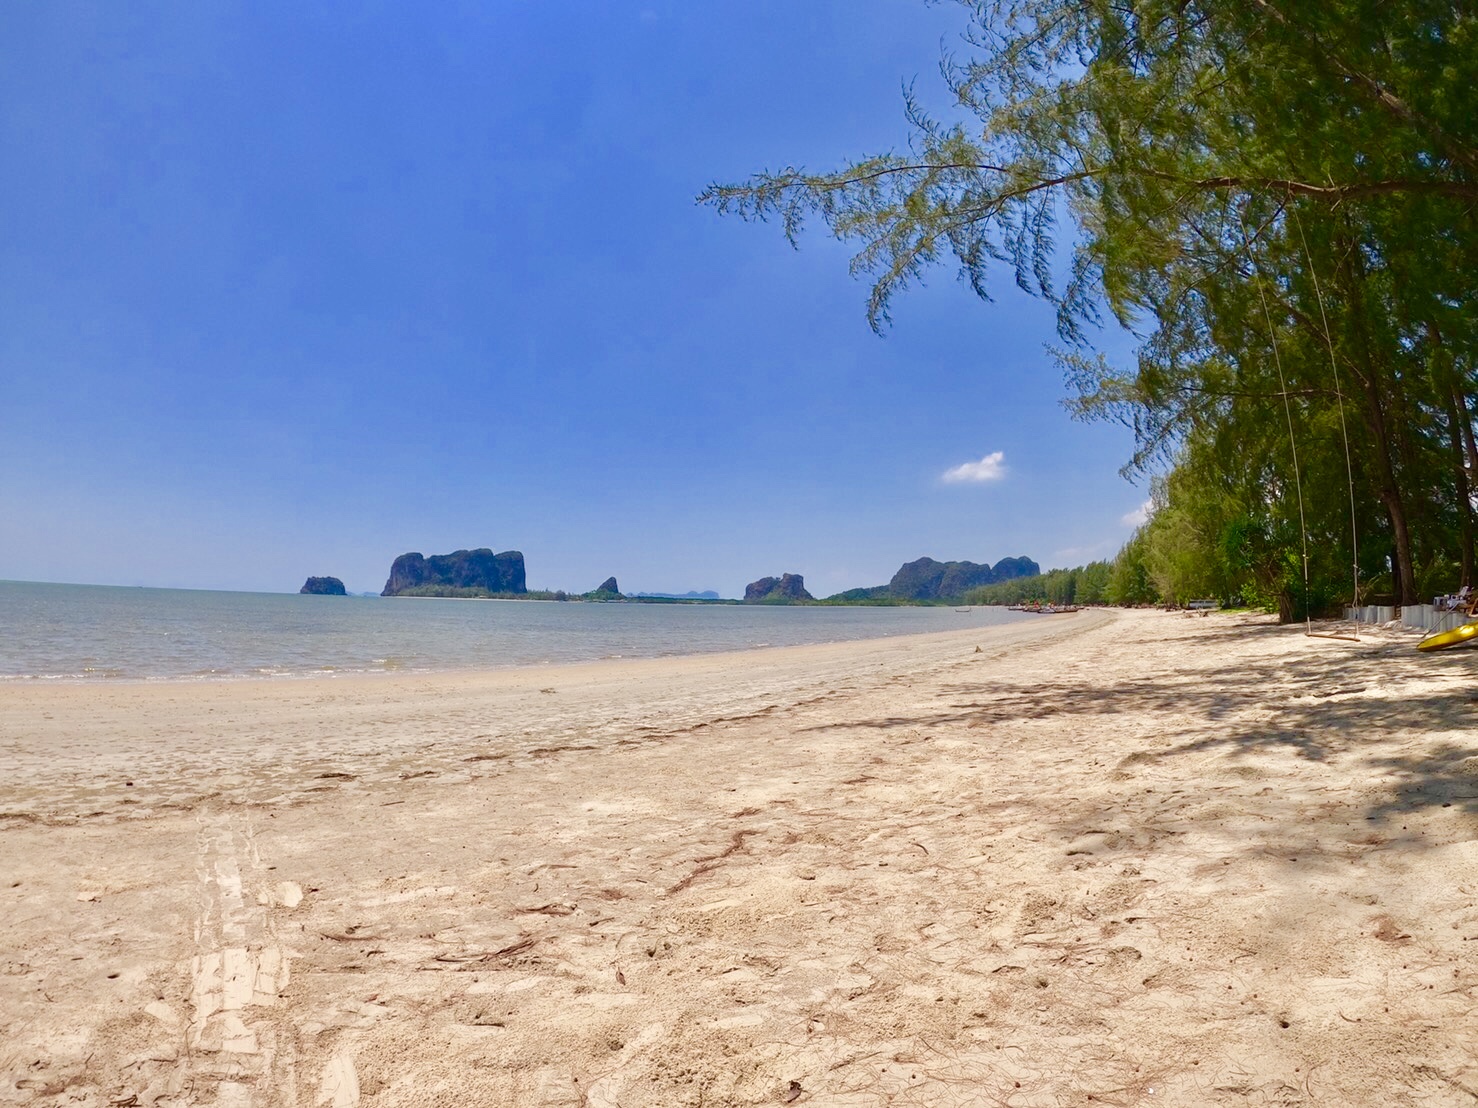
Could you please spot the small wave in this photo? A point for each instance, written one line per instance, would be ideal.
(85, 675)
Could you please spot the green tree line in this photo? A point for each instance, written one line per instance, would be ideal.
(1087, 584)
(1278, 199)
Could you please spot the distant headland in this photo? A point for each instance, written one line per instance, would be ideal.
(480, 573)
(926, 580)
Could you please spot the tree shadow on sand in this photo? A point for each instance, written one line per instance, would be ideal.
(1346, 700)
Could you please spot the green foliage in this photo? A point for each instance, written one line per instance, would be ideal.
(459, 592)
(446, 592)
(1129, 578)
(1093, 583)
(878, 594)
(1277, 196)
(1083, 585)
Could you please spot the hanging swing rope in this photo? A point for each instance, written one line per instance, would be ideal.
(1303, 527)
(1339, 394)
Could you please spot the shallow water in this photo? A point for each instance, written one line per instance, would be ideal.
(85, 632)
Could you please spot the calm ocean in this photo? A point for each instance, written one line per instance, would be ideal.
(86, 632)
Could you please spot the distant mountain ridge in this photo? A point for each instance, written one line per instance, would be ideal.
(927, 579)
(706, 594)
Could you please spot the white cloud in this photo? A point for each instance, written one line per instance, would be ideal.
(1139, 517)
(990, 468)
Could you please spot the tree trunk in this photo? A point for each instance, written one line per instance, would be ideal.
(1387, 487)
(1464, 492)
(1447, 387)
(1465, 424)
(1285, 606)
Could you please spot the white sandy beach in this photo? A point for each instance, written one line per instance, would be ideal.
(1113, 858)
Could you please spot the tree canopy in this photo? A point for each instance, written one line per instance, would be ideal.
(1278, 199)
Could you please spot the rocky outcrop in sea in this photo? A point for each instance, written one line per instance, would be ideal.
(461, 569)
(323, 586)
(789, 588)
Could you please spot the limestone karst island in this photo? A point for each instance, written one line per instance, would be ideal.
(465, 571)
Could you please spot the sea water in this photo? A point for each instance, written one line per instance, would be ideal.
(97, 632)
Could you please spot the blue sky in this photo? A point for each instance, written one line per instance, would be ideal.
(290, 289)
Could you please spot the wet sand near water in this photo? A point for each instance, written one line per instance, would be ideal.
(1109, 858)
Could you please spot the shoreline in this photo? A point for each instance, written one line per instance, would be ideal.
(1106, 860)
(196, 723)
(72, 681)
(288, 650)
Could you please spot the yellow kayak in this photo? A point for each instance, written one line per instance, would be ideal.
(1456, 637)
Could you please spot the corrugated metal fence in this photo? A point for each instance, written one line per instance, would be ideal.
(1416, 617)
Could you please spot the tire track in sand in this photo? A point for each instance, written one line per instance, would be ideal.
(234, 1053)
